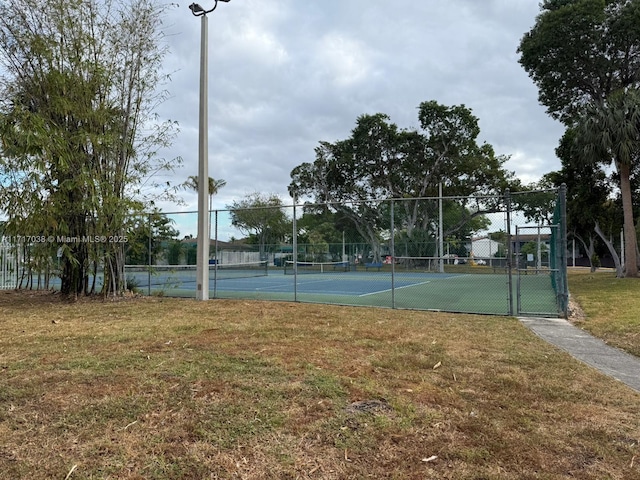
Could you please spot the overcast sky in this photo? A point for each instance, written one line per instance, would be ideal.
(286, 74)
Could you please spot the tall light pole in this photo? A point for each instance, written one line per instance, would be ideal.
(202, 261)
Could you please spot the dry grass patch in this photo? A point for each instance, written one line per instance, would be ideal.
(155, 388)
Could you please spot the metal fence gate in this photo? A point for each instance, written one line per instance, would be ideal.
(544, 263)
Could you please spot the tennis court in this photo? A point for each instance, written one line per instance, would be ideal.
(466, 292)
(407, 255)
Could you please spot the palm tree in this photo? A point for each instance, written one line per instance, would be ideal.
(610, 132)
(214, 187)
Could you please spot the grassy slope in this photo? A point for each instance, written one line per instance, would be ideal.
(611, 306)
(173, 389)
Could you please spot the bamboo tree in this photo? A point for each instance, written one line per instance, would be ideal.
(79, 84)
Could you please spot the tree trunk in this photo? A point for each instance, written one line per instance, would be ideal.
(589, 249)
(630, 241)
(74, 270)
(609, 243)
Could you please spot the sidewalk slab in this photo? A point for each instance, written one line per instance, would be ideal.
(587, 348)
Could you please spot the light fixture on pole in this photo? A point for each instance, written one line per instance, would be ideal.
(202, 261)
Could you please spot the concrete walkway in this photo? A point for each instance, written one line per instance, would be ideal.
(588, 349)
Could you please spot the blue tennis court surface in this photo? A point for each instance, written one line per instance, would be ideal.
(452, 292)
(479, 290)
(344, 284)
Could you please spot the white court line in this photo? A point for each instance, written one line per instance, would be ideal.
(282, 285)
(396, 288)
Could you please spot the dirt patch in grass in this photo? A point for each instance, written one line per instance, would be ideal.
(160, 388)
(576, 314)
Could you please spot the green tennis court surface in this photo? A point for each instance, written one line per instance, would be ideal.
(452, 292)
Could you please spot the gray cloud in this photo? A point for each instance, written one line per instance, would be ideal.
(286, 74)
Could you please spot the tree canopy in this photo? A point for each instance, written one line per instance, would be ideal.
(79, 134)
(263, 216)
(584, 56)
(382, 161)
(581, 51)
(589, 193)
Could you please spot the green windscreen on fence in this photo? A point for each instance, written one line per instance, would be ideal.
(557, 254)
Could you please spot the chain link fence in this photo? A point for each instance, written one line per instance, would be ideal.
(8, 265)
(504, 255)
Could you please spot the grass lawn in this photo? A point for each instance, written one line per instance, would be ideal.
(159, 388)
(611, 306)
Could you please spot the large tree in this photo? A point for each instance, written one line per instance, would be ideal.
(588, 198)
(580, 51)
(381, 161)
(584, 56)
(609, 132)
(79, 135)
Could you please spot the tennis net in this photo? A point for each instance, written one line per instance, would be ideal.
(174, 275)
(291, 268)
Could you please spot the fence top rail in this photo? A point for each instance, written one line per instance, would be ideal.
(371, 200)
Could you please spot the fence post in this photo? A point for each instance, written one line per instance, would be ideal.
(563, 249)
(215, 266)
(440, 230)
(149, 247)
(295, 252)
(507, 199)
(393, 257)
